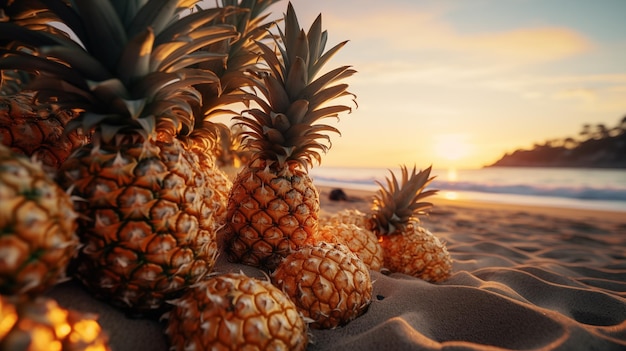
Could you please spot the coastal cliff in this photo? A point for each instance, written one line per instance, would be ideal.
(597, 147)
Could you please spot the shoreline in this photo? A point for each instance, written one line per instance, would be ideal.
(361, 199)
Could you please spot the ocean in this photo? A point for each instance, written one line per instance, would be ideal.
(599, 189)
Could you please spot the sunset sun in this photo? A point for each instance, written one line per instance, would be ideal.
(452, 147)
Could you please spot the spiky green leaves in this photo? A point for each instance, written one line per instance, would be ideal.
(395, 206)
(128, 65)
(292, 100)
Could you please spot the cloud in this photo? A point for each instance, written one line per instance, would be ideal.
(419, 35)
(585, 95)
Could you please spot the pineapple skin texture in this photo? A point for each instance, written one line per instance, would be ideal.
(418, 253)
(217, 181)
(328, 283)
(270, 214)
(42, 325)
(37, 222)
(147, 229)
(364, 243)
(30, 129)
(235, 312)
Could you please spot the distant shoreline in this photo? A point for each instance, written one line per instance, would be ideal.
(604, 167)
(361, 200)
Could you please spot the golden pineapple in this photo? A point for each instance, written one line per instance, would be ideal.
(363, 242)
(37, 222)
(408, 248)
(273, 206)
(148, 226)
(235, 312)
(42, 325)
(328, 283)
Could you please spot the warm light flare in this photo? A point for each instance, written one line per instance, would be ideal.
(86, 331)
(451, 195)
(452, 147)
(453, 176)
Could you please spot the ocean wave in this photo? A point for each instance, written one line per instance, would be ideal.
(571, 192)
(580, 193)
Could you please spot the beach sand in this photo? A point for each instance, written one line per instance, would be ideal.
(524, 278)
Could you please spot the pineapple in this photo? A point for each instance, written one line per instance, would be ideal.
(273, 206)
(235, 312)
(33, 128)
(148, 228)
(417, 252)
(42, 325)
(328, 283)
(364, 243)
(407, 247)
(206, 137)
(37, 226)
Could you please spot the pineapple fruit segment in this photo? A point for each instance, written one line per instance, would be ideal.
(37, 227)
(235, 312)
(42, 325)
(328, 283)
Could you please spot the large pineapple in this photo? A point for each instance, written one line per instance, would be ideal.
(408, 247)
(38, 224)
(42, 325)
(328, 283)
(147, 229)
(235, 312)
(273, 206)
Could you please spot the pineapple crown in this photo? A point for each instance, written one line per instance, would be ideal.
(249, 20)
(283, 130)
(128, 63)
(401, 202)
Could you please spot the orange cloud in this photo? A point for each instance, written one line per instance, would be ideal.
(418, 33)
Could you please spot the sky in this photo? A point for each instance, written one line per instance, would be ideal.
(457, 83)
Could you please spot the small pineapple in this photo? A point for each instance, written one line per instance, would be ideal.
(235, 312)
(328, 283)
(42, 325)
(363, 242)
(273, 206)
(37, 222)
(407, 247)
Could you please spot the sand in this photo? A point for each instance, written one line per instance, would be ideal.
(524, 278)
